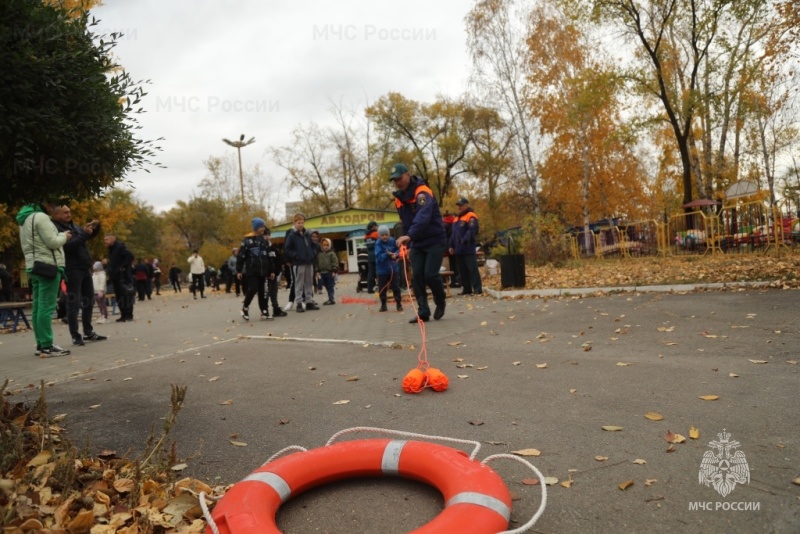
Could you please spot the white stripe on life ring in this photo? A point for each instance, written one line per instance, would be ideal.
(487, 501)
(390, 465)
(274, 481)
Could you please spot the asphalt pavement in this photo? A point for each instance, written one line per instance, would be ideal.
(525, 373)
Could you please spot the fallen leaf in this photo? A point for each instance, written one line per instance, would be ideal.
(650, 481)
(458, 360)
(238, 443)
(654, 416)
(671, 437)
(671, 448)
(94, 406)
(624, 364)
(639, 461)
(611, 428)
(463, 376)
(213, 379)
(573, 391)
(179, 467)
(694, 433)
(625, 485)
(482, 368)
(709, 397)
(791, 362)
(567, 483)
(601, 458)
(283, 421)
(542, 366)
(516, 363)
(476, 422)
(454, 343)
(527, 452)
(530, 481)
(758, 361)
(665, 329)
(124, 485)
(733, 375)
(227, 402)
(353, 378)
(342, 402)
(550, 481)
(796, 481)
(484, 323)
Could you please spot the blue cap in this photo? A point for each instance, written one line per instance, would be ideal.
(257, 223)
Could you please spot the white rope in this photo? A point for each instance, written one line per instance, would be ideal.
(527, 526)
(206, 513)
(287, 449)
(475, 444)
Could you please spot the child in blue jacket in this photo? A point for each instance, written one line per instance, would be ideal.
(386, 253)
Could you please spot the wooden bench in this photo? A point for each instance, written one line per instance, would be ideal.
(14, 311)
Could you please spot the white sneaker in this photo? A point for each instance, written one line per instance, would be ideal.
(289, 306)
(101, 321)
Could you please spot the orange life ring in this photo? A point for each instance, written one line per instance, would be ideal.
(476, 498)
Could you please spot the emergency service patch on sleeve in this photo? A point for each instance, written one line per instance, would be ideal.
(471, 223)
(422, 200)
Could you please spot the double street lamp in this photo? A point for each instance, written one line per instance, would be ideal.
(239, 145)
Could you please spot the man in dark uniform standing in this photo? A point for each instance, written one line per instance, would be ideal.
(463, 244)
(424, 234)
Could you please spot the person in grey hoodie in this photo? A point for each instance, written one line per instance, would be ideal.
(42, 242)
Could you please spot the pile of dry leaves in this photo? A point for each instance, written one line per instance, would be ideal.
(47, 485)
(781, 271)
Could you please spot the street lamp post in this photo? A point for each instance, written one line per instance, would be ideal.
(238, 145)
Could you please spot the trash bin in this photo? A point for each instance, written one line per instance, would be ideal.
(512, 270)
(512, 267)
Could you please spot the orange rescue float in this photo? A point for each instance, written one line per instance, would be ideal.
(476, 498)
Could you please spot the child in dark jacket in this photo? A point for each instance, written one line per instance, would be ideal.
(386, 253)
(328, 266)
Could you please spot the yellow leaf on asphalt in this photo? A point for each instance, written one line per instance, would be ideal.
(650, 481)
(527, 452)
(213, 379)
(462, 376)
(639, 461)
(623, 364)
(484, 323)
(550, 481)
(665, 329)
(354, 378)
(573, 391)
(179, 467)
(611, 428)
(482, 368)
(226, 402)
(567, 483)
(758, 361)
(238, 443)
(516, 363)
(791, 362)
(454, 343)
(694, 433)
(733, 375)
(796, 481)
(542, 335)
(709, 397)
(342, 402)
(541, 366)
(601, 458)
(654, 416)
(625, 485)
(458, 360)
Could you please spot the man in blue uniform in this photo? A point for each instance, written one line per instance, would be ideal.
(424, 235)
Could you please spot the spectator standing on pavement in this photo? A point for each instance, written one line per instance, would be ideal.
(464, 245)
(121, 274)
(370, 239)
(6, 285)
(328, 266)
(78, 271)
(42, 242)
(150, 275)
(423, 232)
(301, 253)
(254, 254)
(197, 268)
(318, 247)
(140, 277)
(386, 253)
(276, 264)
(175, 277)
(100, 281)
(234, 280)
(156, 276)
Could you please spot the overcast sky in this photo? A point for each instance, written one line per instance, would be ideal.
(261, 67)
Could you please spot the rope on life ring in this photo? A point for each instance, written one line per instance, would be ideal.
(476, 498)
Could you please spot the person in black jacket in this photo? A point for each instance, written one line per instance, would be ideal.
(120, 273)
(254, 258)
(276, 266)
(78, 274)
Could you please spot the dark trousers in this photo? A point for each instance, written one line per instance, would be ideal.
(80, 296)
(176, 285)
(125, 302)
(237, 285)
(149, 288)
(425, 265)
(326, 279)
(469, 272)
(371, 276)
(141, 289)
(386, 282)
(197, 284)
(257, 284)
(272, 294)
(157, 282)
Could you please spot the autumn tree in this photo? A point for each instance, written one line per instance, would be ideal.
(68, 113)
(497, 31)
